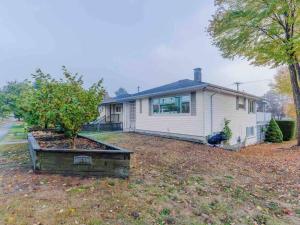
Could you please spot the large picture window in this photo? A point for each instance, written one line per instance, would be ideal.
(171, 105)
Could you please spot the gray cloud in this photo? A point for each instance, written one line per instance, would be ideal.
(129, 43)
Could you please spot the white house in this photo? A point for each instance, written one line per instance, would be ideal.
(187, 109)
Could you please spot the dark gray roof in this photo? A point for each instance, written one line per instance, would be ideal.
(175, 87)
(181, 84)
(185, 84)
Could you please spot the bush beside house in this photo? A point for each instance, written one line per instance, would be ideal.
(227, 131)
(287, 128)
(273, 133)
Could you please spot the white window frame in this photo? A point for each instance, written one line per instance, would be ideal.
(251, 106)
(118, 107)
(171, 113)
(251, 133)
(240, 105)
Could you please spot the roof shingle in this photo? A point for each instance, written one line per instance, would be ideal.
(178, 85)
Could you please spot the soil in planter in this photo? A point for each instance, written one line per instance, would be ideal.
(52, 140)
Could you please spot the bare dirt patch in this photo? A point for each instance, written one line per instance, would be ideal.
(52, 140)
(171, 182)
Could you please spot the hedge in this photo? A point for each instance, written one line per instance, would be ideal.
(273, 133)
(288, 128)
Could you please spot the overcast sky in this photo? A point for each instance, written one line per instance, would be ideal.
(128, 43)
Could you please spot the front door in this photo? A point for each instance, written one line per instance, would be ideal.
(132, 116)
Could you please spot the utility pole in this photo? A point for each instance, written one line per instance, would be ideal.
(238, 85)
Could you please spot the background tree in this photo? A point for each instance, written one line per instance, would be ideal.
(10, 94)
(275, 104)
(282, 85)
(264, 32)
(4, 107)
(121, 91)
(282, 82)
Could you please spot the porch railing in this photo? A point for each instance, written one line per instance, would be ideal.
(263, 117)
(113, 118)
(102, 127)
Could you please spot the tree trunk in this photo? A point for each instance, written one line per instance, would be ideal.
(297, 66)
(294, 72)
(74, 142)
(46, 124)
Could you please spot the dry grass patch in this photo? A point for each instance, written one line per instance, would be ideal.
(171, 182)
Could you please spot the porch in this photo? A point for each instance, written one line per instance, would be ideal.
(111, 113)
(110, 119)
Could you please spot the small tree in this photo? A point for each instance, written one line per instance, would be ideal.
(77, 105)
(227, 131)
(38, 103)
(27, 107)
(66, 102)
(273, 133)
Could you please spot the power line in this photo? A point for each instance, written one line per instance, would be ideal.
(248, 82)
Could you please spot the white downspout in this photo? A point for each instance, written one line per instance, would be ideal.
(211, 112)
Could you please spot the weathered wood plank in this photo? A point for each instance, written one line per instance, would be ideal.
(114, 162)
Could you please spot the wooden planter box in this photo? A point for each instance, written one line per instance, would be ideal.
(111, 161)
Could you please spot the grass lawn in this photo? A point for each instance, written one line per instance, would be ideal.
(104, 136)
(171, 182)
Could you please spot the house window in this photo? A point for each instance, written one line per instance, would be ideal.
(251, 106)
(171, 105)
(240, 103)
(118, 109)
(249, 131)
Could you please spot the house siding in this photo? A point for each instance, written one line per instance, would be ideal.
(172, 124)
(198, 124)
(126, 117)
(224, 106)
(208, 111)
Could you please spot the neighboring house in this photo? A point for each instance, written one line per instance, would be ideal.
(188, 109)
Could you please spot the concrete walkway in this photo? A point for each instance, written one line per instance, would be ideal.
(4, 128)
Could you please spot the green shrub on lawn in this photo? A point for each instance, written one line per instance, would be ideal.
(273, 133)
(287, 128)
